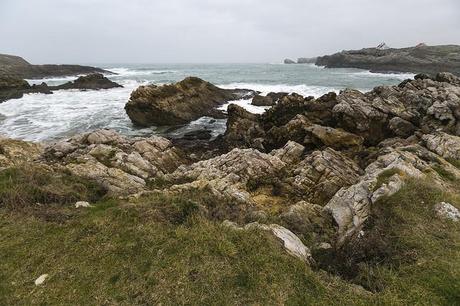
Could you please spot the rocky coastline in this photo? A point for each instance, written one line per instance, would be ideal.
(328, 152)
(16, 67)
(313, 174)
(13, 88)
(382, 59)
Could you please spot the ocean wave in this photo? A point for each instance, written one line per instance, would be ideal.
(304, 90)
(138, 72)
(395, 75)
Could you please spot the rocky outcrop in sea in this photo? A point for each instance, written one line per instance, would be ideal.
(13, 88)
(17, 67)
(179, 103)
(418, 59)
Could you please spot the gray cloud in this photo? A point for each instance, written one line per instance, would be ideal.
(91, 31)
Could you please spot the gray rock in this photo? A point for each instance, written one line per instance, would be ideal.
(447, 211)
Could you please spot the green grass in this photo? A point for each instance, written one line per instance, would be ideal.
(172, 250)
(121, 254)
(29, 185)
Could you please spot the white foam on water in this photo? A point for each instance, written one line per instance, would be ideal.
(246, 104)
(301, 89)
(399, 76)
(40, 117)
(138, 72)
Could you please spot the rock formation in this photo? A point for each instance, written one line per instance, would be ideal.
(92, 81)
(17, 67)
(12, 88)
(120, 165)
(419, 59)
(178, 103)
(269, 100)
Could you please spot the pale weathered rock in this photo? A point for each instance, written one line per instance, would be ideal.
(82, 204)
(448, 146)
(121, 165)
(291, 243)
(447, 211)
(350, 206)
(321, 174)
(41, 279)
(226, 176)
(290, 153)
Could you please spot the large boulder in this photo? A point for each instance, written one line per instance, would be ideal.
(178, 103)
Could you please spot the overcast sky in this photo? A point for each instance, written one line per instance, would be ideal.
(170, 31)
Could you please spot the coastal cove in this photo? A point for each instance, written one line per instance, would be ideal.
(40, 117)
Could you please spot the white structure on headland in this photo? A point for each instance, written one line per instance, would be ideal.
(382, 46)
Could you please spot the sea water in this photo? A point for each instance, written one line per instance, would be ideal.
(40, 117)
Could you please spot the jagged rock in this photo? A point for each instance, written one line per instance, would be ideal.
(448, 146)
(226, 176)
(424, 104)
(121, 165)
(290, 153)
(243, 129)
(91, 81)
(334, 138)
(289, 61)
(15, 152)
(321, 174)
(178, 103)
(350, 206)
(447, 211)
